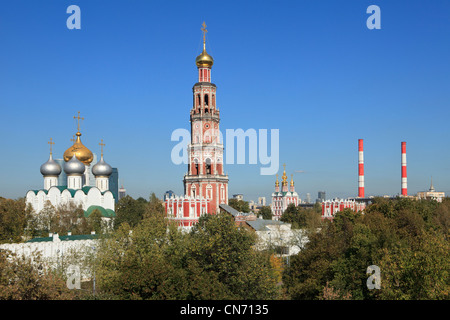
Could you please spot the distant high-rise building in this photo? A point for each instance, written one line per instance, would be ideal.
(308, 198)
(321, 196)
(122, 192)
(262, 201)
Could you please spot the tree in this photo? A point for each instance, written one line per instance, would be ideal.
(154, 205)
(266, 212)
(155, 260)
(13, 219)
(405, 238)
(239, 205)
(225, 251)
(129, 211)
(28, 279)
(69, 217)
(300, 218)
(95, 221)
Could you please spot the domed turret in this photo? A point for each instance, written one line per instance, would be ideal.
(83, 154)
(51, 168)
(101, 168)
(204, 60)
(102, 171)
(74, 166)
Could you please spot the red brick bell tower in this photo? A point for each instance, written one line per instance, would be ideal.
(205, 177)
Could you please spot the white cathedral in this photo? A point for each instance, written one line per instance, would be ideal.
(77, 188)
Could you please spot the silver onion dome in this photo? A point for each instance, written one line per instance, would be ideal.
(74, 166)
(51, 168)
(101, 168)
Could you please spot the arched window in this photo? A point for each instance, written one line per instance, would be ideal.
(209, 191)
(208, 166)
(195, 167)
(206, 100)
(222, 191)
(199, 102)
(193, 191)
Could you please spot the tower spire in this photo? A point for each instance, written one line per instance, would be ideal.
(204, 60)
(204, 30)
(432, 187)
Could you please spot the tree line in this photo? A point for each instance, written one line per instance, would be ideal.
(144, 256)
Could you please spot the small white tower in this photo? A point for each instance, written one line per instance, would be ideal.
(74, 169)
(102, 171)
(50, 170)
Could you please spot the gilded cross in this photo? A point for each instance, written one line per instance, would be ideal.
(204, 33)
(102, 145)
(51, 143)
(78, 121)
(73, 139)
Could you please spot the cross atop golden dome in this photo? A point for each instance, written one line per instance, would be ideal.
(83, 154)
(277, 184)
(204, 60)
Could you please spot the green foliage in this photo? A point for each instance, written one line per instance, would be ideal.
(95, 221)
(26, 279)
(300, 217)
(266, 212)
(13, 219)
(129, 211)
(156, 261)
(407, 239)
(62, 219)
(239, 205)
(132, 212)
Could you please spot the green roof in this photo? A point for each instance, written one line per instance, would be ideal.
(61, 188)
(86, 189)
(67, 238)
(72, 191)
(36, 191)
(108, 213)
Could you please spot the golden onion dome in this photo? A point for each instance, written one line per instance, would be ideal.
(82, 153)
(284, 177)
(204, 60)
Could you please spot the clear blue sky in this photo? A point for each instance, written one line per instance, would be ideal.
(309, 68)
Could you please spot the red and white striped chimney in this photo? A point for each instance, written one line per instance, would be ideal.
(404, 179)
(360, 168)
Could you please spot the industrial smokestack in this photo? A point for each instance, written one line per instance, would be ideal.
(404, 177)
(360, 168)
